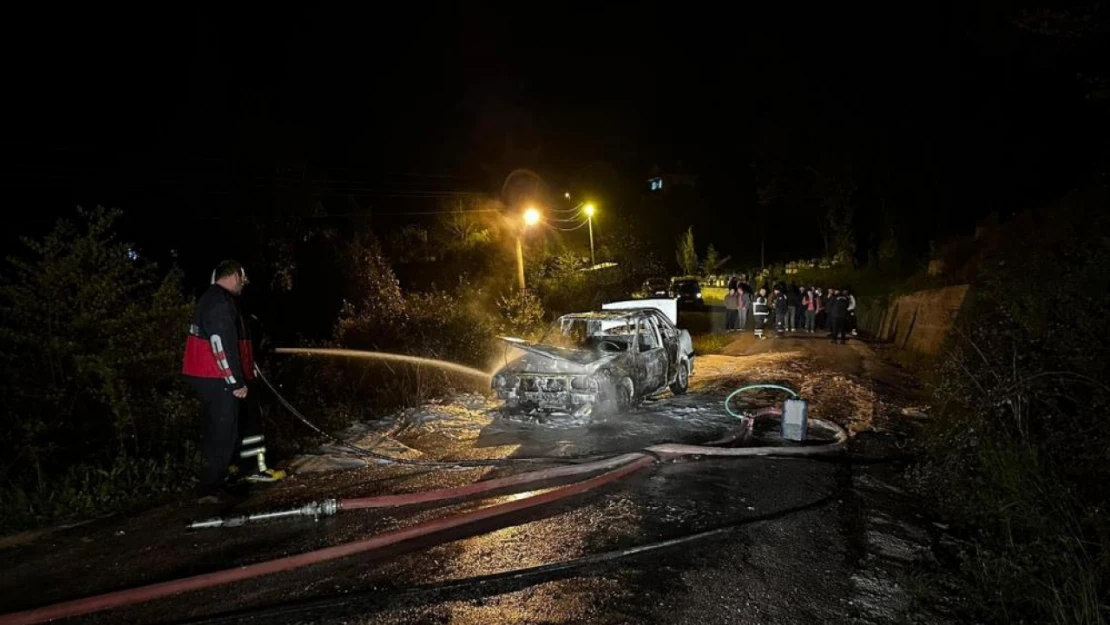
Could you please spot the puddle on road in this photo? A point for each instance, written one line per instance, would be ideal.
(472, 426)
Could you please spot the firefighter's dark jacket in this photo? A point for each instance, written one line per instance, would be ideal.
(219, 345)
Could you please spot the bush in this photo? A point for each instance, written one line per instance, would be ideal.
(458, 324)
(87, 490)
(1017, 455)
(521, 314)
(91, 353)
(563, 285)
(440, 324)
(375, 306)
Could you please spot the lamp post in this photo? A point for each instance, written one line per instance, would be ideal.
(589, 209)
(531, 217)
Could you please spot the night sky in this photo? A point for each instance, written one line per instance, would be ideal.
(940, 114)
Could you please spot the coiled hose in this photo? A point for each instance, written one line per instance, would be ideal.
(753, 387)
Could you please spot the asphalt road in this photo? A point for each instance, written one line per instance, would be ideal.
(810, 541)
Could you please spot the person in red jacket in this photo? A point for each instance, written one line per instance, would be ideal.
(811, 305)
(219, 365)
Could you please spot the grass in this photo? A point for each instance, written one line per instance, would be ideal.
(711, 343)
(701, 321)
(714, 295)
(1033, 551)
(88, 491)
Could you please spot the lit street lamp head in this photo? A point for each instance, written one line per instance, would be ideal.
(589, 210)
(531, 217)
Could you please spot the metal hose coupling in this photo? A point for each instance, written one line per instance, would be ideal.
(315, 509)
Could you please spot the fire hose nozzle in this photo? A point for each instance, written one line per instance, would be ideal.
(207, 523)
(315, 509)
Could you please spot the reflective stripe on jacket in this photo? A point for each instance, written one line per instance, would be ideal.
(760, 307)
(218, 345)
(207, 359)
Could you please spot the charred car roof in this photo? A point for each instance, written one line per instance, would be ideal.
(624, 313)
(617, 313)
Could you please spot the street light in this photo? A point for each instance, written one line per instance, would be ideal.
(530, 217)
(589, 209)
(567, 195)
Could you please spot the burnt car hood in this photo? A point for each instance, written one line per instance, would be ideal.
(559, 358)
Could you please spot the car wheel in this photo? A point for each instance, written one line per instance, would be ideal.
(682, 380)
(625, 394)
(618, 401)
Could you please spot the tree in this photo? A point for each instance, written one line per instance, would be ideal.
(470, 221)
(836, 194)
(687, 253)
(1072, 39)
(90, 353)
(460, 223)
(713, 261)
(375, 307)
(411, 244)
(888, 245)
(520, 314)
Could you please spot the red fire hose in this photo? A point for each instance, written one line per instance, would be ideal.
(634, 462)
(332, 506)
(385, 501)
(616, 468)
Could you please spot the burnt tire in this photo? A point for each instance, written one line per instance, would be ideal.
(625, 394)
(682, 379)
(619, 401)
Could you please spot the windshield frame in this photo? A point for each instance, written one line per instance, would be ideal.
(557, 333)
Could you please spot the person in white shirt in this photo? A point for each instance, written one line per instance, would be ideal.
(851, 312)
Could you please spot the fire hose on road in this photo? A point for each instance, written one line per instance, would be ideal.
(614, 469)
(627, 465)
(329, 507)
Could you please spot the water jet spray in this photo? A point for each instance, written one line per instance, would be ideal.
(386, 356)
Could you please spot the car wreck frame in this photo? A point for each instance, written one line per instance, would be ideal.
(604, 360)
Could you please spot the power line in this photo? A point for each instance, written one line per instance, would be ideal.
(345, 215)
(575, 218)
(570, 229)
(171, 178)
(556, 210)
(204, 187)
(32, 172)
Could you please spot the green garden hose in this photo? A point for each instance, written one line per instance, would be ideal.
(751, 387)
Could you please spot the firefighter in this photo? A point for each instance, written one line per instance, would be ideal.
(760, 309)
(219, 364)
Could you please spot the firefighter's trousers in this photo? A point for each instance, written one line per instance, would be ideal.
(219, 432)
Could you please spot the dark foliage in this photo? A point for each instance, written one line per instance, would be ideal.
(94, 412)
(565, 284)
(1018, 455)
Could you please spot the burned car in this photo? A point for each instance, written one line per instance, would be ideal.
(602, 361)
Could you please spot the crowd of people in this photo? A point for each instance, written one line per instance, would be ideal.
(791, 308)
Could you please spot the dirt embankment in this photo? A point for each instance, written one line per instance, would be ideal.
(919, 321)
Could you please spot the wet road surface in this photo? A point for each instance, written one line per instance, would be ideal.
(809, 541)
